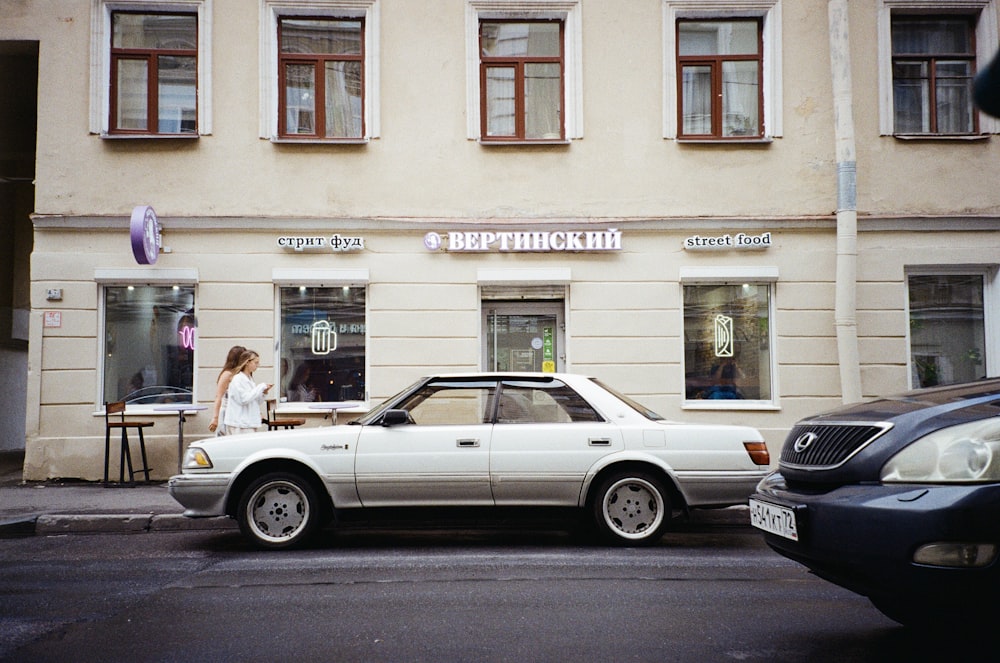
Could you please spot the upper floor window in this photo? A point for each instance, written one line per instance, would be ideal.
(719, 79)
(321, 77)
(933, 66)
(521, 80)
(319, 71)
(152, 60)
(524, 81)
(723, 70)
(154, 73)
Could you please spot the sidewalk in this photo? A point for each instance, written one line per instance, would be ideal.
(77, 507)
(63, 507)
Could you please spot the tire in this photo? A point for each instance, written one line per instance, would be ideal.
(278, 511)
(631, 508)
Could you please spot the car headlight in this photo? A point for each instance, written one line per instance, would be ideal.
(196, 458)
(958, 454)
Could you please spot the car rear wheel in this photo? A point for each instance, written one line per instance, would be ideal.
(631, 508)
(278, 510)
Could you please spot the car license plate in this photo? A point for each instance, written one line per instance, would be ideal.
(774, 519)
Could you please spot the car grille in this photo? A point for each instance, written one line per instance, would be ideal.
(827, 446)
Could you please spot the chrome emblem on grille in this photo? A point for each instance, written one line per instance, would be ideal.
(803, 441)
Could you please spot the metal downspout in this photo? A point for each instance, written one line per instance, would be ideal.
(845, 311)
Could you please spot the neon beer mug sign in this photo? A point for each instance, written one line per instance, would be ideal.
(324, 339)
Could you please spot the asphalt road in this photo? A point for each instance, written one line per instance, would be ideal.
(704, 594)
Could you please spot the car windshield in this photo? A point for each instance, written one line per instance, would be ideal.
(638, 407)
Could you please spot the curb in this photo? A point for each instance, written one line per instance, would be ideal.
(54, 525)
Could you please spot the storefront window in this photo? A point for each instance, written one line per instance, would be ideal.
(322, 343)
(149, 341)
(727, 344)
(947, 329)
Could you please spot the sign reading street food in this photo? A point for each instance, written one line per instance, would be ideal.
(739, 241)
(513, 241)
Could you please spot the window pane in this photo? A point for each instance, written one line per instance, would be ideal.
(911, 97)
(155, 31)
(442, 404)
(543, 404)
(696, 100)
(520, 39)
(177, 94)
(947, 329)
(132, 107)
(932, 36)
(500, 101)
(343, 99)
(320, 36)
(717, 38)
(542, 92)
(322, 343)
(727, 342)
(740, 95)
(149, 340)
(953, 96)
(300, 99)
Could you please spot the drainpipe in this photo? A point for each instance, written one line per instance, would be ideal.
(845, 311)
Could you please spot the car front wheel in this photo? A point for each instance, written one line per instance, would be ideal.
(278, 510)
(631, 508)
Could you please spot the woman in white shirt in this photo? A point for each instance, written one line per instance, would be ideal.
(245, 396)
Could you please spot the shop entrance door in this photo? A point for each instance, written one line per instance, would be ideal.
(523, 336)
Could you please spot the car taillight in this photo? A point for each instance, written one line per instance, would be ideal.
(758, 452)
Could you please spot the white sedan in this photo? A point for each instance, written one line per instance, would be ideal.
(477, 440)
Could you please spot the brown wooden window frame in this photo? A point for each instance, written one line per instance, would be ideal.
(519, 63)
(931, 60)
(150, 56)
(318, 62)
(715, 63)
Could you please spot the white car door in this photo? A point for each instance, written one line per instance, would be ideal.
(441, 459)
(545, 440)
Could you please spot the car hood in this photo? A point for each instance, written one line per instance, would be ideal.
(884, 426)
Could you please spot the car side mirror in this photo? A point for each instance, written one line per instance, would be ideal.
(395, 417)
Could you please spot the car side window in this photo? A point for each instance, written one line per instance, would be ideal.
(551, 402)
(444, 404)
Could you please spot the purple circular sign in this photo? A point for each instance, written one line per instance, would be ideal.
(145, 233)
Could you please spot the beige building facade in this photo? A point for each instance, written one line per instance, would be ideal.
(665, 194)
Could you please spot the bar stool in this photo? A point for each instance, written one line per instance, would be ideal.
(119, 422)
(274, 423)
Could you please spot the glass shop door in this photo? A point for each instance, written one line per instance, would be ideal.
(523, 336)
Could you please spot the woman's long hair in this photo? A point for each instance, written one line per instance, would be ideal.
(232, 359)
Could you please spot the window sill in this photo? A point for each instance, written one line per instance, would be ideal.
(759, 406)
(945, 137)
(107, 136)
(285, 140)
(521, 143)
(766, 140)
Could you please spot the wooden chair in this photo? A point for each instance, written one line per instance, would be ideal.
(274, 423)
(114, 419)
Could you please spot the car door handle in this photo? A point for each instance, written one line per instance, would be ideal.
(467, 442)
(599, 442)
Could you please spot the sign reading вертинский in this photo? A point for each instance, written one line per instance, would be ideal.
(509, 241)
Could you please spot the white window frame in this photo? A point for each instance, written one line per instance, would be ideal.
(770, 12)
(271, 11)
(100, 61)
(991, 308)
(139, 277)
(320, 278)
(728, 276)
(986, 46)
(567, 11)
